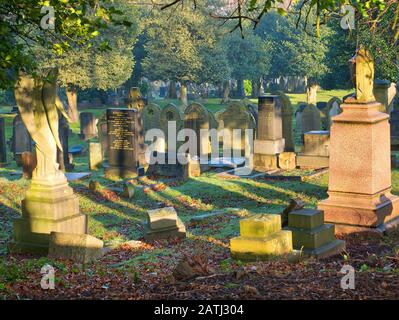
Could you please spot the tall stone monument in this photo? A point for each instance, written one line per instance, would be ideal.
(49, 204)
(270, 141)
(359, 185)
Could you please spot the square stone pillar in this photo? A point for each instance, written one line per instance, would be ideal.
(359, 186)
(269, 142)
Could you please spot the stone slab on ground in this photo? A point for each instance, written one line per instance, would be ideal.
(72, 176)
(81, 248)
(162, 218)
(172, 232)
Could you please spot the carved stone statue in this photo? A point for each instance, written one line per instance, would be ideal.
(362, 71)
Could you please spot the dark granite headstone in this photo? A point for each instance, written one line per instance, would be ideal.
(88, 126)
(21, 140)
(63, 157)
(126, 142)
(3, 147)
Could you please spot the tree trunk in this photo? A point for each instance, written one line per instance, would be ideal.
(183, 94)
(172, 90)
(72, 97)
(255, 88)
(226, 92)
(240, 88)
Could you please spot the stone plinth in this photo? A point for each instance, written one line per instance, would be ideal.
(311, 236)
(270, 141)
(261, 238)
(47, 207)
(359, 186)
(287, 160)
(162, 224)
(315, 153)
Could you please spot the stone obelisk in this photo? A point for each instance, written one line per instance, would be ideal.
(359, 185)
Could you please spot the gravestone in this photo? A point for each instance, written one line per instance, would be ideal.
(126, 142)
(384, 92)
(95, 155)
(315, 154)
(163, 223)
(359, 186)
(88, 126)
(63, 157)
(171, 114)
(151, 116)
(311, 236)
(261, 238)
(234, 117)
(323, 109)
(21, 140)
(196, 118)
(103, 135)
(270, 141)
(311, 119)
(298, 118)
(287, 113)
(3, 145)
(334, 109)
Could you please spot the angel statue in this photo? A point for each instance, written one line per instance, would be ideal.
(38, 104)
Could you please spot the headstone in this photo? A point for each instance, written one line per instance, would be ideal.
(88, 126)
(21, 140)
(261, 238)
(311, 119)
(315, 154)
(80, 248)
(270, 141)
(384, 92)
(3, 145)
(235, 117)
(287, 113)
(298, 118)
(172, 115)
(151, 116)
(196, 118)
(311, 236)
(29, 163)
(103, 135)
(323, 109)
(95, 155)
(334, 109)
(163, 223)
(126, 142)
(63, 157)
(359, 186)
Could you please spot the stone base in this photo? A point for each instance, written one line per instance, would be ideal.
(120, 172)
(326, 251)
(287, 160)
(269, 146)
(250, 249)
(359, 210)
(382, 229)
(265, 162)
(312, 162)
(47, 208)
(178, 231)
(312, 238)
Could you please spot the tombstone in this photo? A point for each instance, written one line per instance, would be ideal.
(334, 109)
(95, 155)
(103, 135)
(287, 112)
(311, 120)
(162, 224)
(88, 126)
(323, 109)
(21, 140)
(261, 238)
(3, 145)
(298, 118)
(359, 186)
(173, 115)
(315, 154)
(234, 117)
(151, 116)
(270, 141)
(311, 236)
(63, 157)
(126, 142)
(196, 118)
(384, 92)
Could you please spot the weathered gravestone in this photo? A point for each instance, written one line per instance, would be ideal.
(315, 154)
(270, 141)
(287, 113)
(236, 117)
(359, 186)
(88, 125)
(63, 157)
(95, 155)
(197, 118)
(171, 118)
(261, 238)
(3, 145)
(151, 116)
(334, 109)
(311, 119)
(163, 223)
(323, 109)
(384, 92)
(126, 142)
(298, 118)
(102, 129)
(21, 139)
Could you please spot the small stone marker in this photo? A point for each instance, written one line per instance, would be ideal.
(312, 236)
(81, 248)
(88, 126)
(29, 163)
(315, 153)
(163, 223)
(21, 139)
(128, 190)
(95, 155)
(287, 160)
(261, 238)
